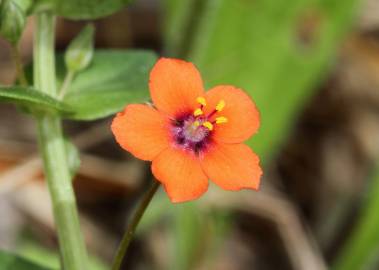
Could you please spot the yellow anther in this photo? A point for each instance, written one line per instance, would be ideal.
(221, 120)
(196, 123)
(198, 112)
(220, 106)
(208, 125)
(201, 101)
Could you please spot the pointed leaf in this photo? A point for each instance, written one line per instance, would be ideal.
(31, 98)
(114, 79)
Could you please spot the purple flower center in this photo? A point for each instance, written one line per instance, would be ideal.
(189, 133)
(192, 131)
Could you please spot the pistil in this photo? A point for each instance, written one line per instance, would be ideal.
(193, 131)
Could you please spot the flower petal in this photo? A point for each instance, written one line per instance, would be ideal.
(180, 173)
(174, 86)
(232, 166)
(242, 115)
(141, 130)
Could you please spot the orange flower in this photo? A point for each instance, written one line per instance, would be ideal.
(191, 135)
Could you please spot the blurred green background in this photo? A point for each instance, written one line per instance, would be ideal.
(311, 66)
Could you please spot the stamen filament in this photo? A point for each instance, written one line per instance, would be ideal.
(211, 114)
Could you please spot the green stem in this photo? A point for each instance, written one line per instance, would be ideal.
(135, 219)
(20, 74)
(71, 242)
(66, 84)
(363, 243)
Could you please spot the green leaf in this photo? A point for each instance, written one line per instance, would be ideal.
(278, 51)
(73, 157)
(114, 79)
(81, 9)
(13, 262)
(31, 98)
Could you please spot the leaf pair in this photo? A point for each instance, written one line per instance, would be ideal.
(114, 79)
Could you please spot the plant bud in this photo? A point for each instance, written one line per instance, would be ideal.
(80, 51)
(12, 21)
(25, 5)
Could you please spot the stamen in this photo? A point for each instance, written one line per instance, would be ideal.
(220, 105)
(201, 101)
(198, 112)
(208, 125)
(221, 120)
(196, 123)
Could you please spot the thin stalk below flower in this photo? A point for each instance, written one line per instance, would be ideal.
(134, 221)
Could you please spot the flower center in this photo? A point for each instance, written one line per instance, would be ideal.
(193, 131)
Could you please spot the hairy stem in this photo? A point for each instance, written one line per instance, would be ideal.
(51, 142)
(134, 221)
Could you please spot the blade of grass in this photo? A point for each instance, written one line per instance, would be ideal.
(363, 242)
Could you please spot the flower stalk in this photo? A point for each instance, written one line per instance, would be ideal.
(72, 248)
(66, 84)
(134, 221)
